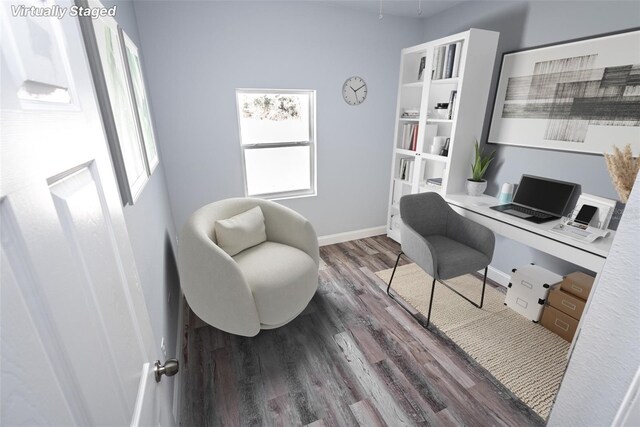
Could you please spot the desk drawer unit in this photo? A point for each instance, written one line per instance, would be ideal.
(528, 290)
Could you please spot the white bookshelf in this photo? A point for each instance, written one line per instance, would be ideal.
(477, 52)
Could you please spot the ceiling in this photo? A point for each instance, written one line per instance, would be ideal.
(407, 8)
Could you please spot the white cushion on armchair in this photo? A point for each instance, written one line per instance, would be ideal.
(241, 232)
(261, 287)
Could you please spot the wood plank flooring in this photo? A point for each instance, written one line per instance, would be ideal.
(353, 357)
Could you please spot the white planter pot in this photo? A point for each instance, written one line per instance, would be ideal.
(475, 188)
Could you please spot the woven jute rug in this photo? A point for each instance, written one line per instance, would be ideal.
(526, 358)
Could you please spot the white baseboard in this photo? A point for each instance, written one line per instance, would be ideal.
(498, 276)
(351, 235)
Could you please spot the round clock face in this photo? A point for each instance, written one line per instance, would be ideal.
(354, 90)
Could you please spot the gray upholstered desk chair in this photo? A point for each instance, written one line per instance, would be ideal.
(442, 242)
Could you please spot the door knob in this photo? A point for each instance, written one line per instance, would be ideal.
(170, 368)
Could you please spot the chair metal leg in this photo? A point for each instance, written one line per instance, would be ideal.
(433, 291)
(484, 284)
(394, 272)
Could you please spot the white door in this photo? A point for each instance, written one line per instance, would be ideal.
(76, 342)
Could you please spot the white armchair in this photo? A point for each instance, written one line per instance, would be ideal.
(262, 287)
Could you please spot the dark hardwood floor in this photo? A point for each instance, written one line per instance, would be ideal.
(353, 357)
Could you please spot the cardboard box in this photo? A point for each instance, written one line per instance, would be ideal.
(578, 284)
(566, 303)
(559, 323)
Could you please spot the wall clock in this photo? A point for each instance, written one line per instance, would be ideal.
(354, 90)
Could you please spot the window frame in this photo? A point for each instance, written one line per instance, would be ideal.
(312, 143)
(130, 183)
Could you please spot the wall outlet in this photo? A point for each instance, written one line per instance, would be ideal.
(163, 347)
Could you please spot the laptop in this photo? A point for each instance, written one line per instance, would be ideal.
(539, 199)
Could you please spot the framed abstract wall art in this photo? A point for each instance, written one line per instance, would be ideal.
(581, 95)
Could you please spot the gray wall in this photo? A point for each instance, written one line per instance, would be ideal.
(151, 229)
(198, 53)
(528, 24)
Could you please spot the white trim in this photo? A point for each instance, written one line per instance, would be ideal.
(629, 411)
(177, 398)
(498, 276)
(351, 235)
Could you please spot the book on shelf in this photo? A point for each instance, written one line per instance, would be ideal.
(451, 52)
(456, 59)
(435, 181)
(440, 53)
(423, 62)
(446, 61)
(406, 169)
(414, 138)
(452, 102)
(409, 136)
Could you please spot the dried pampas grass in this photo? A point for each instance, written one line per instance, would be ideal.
(623, 168)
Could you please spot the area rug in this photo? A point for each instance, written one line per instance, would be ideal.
(526, 358)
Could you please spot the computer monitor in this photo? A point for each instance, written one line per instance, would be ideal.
(543, 194)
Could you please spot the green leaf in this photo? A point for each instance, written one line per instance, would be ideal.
(481, 163)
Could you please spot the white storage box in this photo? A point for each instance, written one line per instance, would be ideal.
(528, 290)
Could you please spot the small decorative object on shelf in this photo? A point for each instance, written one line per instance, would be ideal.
(441, 111)
(445, 149)
(411, 113)
(435, 181)
(476, 185)
(438, 144)
(623, 169)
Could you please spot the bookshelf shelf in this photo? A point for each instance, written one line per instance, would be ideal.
(405, 152)
(402, 181)
(453, 80)
(433, 73)
(434, 157)
(439, 120)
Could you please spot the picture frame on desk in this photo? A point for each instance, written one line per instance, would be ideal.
(579, 95)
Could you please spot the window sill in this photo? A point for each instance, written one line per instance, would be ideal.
(286, 196)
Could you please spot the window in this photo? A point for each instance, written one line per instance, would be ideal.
(277, 138)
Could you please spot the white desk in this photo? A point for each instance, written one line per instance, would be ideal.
(539, 236)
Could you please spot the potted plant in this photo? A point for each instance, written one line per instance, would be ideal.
(476, 185)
